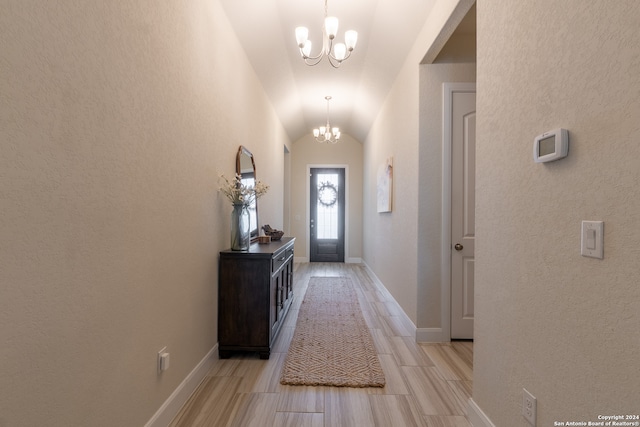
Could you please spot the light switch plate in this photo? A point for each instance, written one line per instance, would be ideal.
(592, 239)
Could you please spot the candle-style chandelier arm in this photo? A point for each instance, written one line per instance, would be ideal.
(315, 60)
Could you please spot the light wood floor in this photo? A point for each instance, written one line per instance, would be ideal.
(427, 384)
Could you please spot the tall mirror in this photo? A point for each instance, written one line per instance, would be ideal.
(246, 168)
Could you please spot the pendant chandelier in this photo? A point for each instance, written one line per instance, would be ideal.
(326, 133)
(337, 53)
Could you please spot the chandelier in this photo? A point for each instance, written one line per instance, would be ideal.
(337, 53)
(326, 133)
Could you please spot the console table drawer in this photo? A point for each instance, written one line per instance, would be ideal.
(278, 261)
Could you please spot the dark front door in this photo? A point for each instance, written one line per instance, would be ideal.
(327, 215)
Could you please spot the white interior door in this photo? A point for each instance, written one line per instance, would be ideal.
(463, 184)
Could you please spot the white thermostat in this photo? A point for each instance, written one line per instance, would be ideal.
(550, 146)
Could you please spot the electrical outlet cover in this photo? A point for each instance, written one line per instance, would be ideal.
(159, 359)
(529, 407)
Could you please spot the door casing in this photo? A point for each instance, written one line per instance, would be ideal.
(346, 206)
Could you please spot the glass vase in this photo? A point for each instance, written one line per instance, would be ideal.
(240, 233)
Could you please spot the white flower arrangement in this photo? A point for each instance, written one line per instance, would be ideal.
(241, 194)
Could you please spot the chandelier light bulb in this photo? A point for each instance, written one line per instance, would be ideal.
(340, 51)
(331, 26)
(306, 50)
(350, 39)
(302, 35)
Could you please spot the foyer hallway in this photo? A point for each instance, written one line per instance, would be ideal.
(428, 385)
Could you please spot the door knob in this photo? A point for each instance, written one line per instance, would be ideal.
(458, 247)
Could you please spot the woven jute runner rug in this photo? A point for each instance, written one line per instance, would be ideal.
(332, 345)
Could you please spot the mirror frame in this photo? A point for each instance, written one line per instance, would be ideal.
(243, 151)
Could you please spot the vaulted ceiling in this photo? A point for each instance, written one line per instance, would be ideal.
(386, 32)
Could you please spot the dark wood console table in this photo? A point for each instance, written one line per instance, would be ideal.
(255, 290)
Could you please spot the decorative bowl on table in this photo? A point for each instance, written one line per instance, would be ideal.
(272, 232)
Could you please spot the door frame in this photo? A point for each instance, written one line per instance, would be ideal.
(448, 89)
(346, 205)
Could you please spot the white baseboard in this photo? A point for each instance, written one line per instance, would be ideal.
(181, 394)
(405, 319)
(378, 282)
(422, 334)
(431, 335)
(476, 417)
(347, 260)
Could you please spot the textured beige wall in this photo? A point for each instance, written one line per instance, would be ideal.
(306, 151)
(115, 120)
(563, 326)
(460, 48)
(391, 238)
(432, 76)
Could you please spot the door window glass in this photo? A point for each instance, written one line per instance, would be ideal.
(327, 206)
